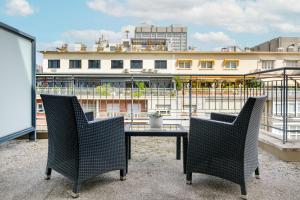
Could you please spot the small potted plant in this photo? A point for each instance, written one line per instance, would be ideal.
(155, 120)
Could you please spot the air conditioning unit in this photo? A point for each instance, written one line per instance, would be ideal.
(126, 71)
(280, 49)
(291, 49)
(155, 71)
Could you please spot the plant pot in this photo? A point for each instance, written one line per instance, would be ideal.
(156, 122)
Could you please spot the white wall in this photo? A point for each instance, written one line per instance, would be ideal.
(15, 83)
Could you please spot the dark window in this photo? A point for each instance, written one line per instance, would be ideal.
(136, 64)
(53, 63)
(94, 64)
(117, 64)
(160, 64)
(75, 64)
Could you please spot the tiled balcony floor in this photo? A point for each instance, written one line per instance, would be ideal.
(154, 173)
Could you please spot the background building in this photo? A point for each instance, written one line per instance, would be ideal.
(176, 36)
(164, 62)
(289, 44)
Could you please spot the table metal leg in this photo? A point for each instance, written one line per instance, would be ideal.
(129, 148)
(178, 147)
(185, 147)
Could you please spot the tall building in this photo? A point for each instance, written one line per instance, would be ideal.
(176, 36)
(280, 44)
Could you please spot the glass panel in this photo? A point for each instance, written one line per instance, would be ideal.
(53, 63)
(136, 64)
(94, 64)
(160, 64)
(117, 64)
(146, 127)
(75, 64)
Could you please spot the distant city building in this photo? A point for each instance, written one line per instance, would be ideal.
(280, 44)
(175, 36)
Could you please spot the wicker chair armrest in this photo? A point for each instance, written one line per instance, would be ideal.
(89, 115)
(222, 117)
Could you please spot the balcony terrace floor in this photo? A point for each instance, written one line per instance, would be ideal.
(154, 173)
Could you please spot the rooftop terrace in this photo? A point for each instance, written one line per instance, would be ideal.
(154, 173)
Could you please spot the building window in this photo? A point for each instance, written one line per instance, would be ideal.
(75, 64)
(184, 64)
(206, 64)
(94, 64)
(113, 109)
(160, 64)
(291, 63)
(117, 64)
(136, 64)
(267, 64)
(54, 64)
(39, 108)
(231, 64)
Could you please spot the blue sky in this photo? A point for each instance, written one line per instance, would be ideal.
(211, 23)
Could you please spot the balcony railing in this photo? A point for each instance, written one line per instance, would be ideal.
(180, 97)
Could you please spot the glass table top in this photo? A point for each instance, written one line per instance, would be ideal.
(146, 128)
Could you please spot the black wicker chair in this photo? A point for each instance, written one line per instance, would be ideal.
(78, 148)
(226, 146)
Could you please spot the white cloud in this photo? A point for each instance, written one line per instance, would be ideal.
(89, 36)
(18, 8)
(216, 38)
(41, 46)
(233, 15)
(86, 36)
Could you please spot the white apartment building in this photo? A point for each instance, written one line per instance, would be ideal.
(165, 62)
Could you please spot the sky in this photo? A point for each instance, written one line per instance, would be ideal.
(212, 24)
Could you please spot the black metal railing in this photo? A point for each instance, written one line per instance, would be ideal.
(179, 97)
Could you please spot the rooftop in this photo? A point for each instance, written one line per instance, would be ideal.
(154, 173)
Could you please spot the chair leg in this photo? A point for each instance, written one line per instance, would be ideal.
(75, 192)
(48, 173)
(189, 178)
(123, 174)
(257, 173)
(243, 191)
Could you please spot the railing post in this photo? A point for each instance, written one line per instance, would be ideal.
(190, 97)
(244, 88)
(283, 104)
(131, 117)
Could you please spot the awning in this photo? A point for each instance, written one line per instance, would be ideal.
(184, 60)
(207, 60)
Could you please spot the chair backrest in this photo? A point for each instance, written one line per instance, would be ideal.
(61, 115)
(248, 121)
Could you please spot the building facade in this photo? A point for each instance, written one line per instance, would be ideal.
(165, 62)
(176, 36)
(280, 44)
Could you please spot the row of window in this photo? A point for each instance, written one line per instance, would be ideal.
(162, 64)
(230, 64)
(115, 64)
(269, 64)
